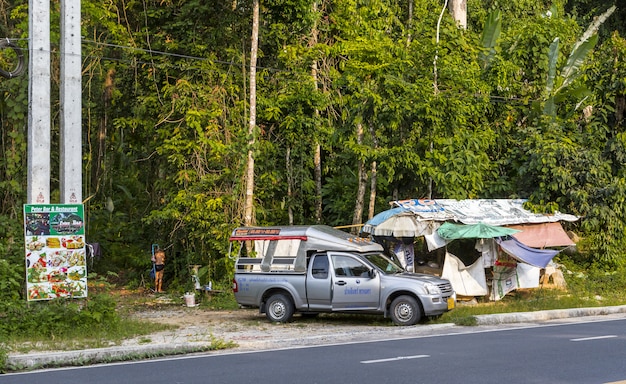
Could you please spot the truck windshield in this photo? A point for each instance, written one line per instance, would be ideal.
(384, 263)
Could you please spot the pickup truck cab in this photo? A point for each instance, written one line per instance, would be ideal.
(315, 269)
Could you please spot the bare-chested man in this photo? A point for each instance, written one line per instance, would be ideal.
(159, 264)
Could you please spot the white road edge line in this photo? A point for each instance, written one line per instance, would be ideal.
(594, 338)
(393, 359)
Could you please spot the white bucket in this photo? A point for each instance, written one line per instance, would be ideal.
(190, 299)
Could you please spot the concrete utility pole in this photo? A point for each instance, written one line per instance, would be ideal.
(38, 179)
(38, 189)
(71, 104)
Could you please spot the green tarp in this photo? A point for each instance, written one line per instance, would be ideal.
(451, 231)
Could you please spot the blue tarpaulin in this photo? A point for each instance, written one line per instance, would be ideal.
(384, 215)
(533, 256)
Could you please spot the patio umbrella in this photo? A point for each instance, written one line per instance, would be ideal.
(384, 215)
(473, 231)
(400, 224)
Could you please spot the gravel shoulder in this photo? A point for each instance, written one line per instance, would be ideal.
(241, 330)
(250, 330)
(201, 328)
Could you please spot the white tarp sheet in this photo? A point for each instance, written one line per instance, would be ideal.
(528, 275)
(434, 241)
(466, 280)
(488, 248)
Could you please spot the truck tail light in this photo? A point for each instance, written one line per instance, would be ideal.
(235, 288)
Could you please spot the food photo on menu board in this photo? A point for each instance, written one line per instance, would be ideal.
(55, 251)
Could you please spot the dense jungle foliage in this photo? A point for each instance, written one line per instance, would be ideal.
(527, 102)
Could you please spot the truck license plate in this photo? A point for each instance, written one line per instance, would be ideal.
(450, 303)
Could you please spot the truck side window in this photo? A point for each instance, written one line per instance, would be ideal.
(319, 269)
(348, 266)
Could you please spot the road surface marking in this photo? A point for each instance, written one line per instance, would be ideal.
(393, 359)
(594, 338)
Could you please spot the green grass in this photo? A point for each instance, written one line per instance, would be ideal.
(69, 325)
(103, 320)
(224, 300)
(96, 337)
(585, 287)
(529, 301)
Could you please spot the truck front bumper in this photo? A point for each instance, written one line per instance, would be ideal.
(437, 305)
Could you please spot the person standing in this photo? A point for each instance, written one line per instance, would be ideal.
(159, 265)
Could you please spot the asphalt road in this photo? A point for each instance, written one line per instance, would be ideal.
(566, 352)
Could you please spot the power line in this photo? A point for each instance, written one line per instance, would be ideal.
(151, 52)
(177, 55)
(20, 67)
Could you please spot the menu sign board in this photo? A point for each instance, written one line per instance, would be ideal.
(55, 251)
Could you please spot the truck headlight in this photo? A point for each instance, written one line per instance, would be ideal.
(432, 289)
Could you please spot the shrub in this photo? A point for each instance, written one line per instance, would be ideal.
(11, 278)
(57, 317)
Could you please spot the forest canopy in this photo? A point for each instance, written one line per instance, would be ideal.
(358, 103)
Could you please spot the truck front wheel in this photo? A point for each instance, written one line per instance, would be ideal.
(405, 310)
(279, 308)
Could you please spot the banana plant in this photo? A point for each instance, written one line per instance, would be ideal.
(490, 35)
(559, 88)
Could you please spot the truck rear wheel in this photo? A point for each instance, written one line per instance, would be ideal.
(279, 308)
(405, 310)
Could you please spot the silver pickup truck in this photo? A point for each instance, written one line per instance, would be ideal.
(315, 269)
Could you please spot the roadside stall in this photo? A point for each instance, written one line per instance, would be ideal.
(485, 247)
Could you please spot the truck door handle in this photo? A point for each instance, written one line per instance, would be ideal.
(341, 282)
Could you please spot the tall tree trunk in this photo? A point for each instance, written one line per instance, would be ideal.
(249, 218)
(409, 23)
(98, 159)
(317, 156)
(362, 178)
(317, 161)
(435, 74)
(458, 9)
(435, 83)
(372, 205)
(289, 185)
